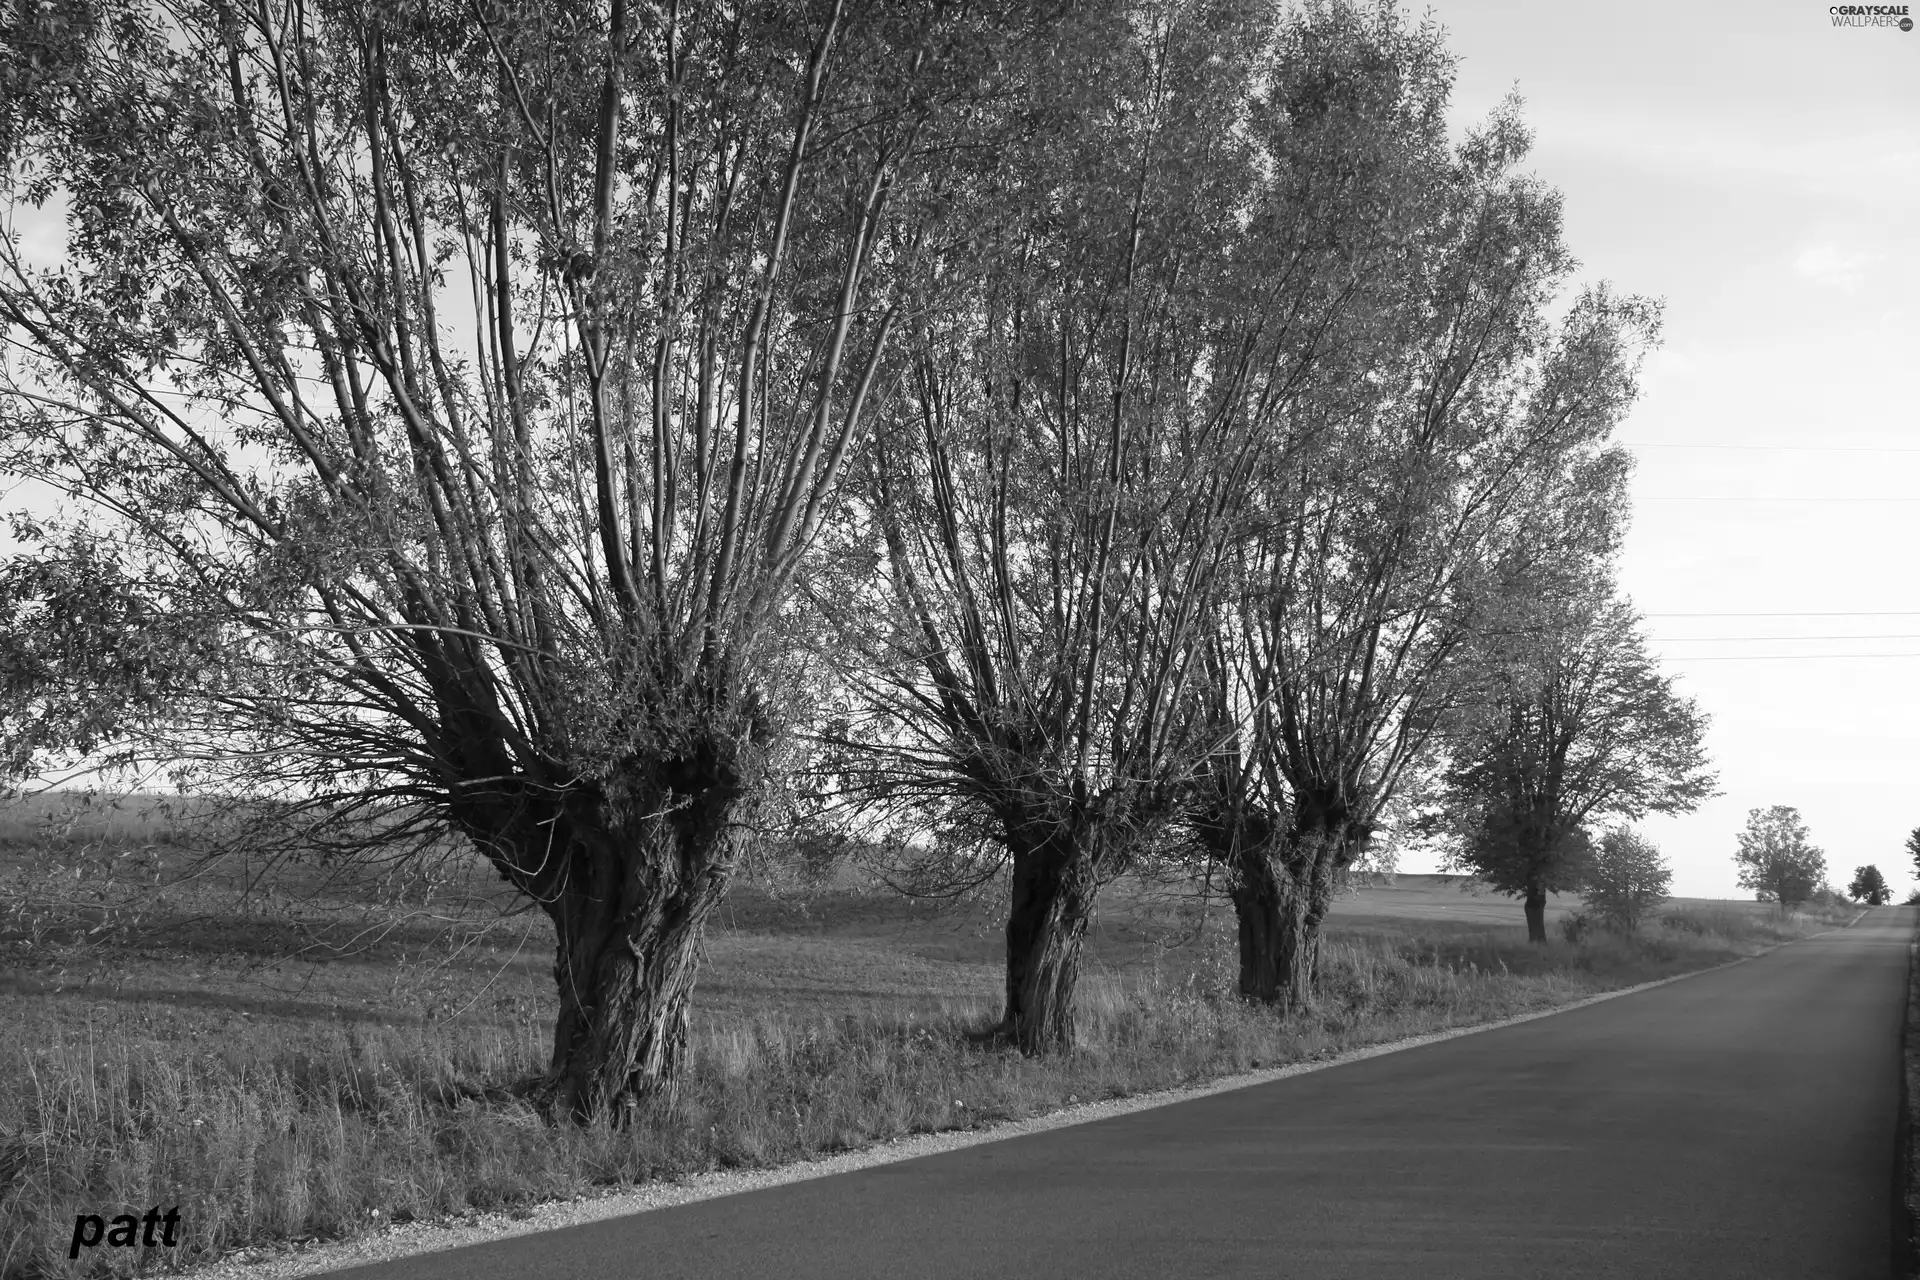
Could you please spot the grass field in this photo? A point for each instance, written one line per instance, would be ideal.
(312, 1055)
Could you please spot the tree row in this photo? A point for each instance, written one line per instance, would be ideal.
(1046, 439)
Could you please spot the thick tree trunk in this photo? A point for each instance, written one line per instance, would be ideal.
(1279, 905)
(629, 871)
(1279, 945)
(1536, 907)
(1310, 872)
(1047, 918)
(1270, 915)
(1281, 895)
(625, 964)
(1260, 900)
(1299, 954)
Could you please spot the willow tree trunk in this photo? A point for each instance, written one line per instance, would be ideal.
(1281, 893)
(627, 952)
(1259, 900)
(1535, 903)
(1275, 941)
(1243, 841)
(629, 871)
(1051, 906)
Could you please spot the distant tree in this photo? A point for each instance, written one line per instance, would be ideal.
(1777, 860)
(1913, 849)
(1566, 718)
(1626, 879)
(1825, 895)
(1870, 887)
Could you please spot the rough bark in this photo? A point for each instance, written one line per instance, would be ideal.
(1281, 884)
(625, 962)
(1267, 916)
(1334, 852)
(1279, 933)
(1052, 904)
(1536, 908)
(1241, 839)
(629, 874)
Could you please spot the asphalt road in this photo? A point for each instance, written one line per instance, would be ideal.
(1737, 1124)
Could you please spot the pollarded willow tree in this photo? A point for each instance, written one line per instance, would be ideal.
(1072, 441)
(1360, 95)
(1472, 416)
(478, 377)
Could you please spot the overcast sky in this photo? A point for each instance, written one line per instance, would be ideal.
(1759, 169)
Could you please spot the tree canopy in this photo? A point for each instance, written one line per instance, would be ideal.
(1565, 718)
(1777, 858)
(1869, 886)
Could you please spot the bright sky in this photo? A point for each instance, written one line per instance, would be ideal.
(1759, 169)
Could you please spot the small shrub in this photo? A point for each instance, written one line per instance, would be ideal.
(1576, 925)
(1686, 922)
(1215, 974)
(1627, 881)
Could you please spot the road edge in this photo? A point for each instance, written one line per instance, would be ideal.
(1906, 1156)
(418, 1238)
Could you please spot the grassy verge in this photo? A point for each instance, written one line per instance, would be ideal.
(264, 1138)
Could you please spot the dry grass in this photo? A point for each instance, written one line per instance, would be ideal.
(197, 1056)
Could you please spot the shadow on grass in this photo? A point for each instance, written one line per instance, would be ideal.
(198, 998)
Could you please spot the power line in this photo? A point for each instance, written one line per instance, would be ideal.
(1778, 657)
(1773, 448)
(1856, 613)
(1768, 639)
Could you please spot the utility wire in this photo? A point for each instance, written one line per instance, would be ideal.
(1767, 639)
(1777, 657)
(1856, 613)
(1773, 448)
